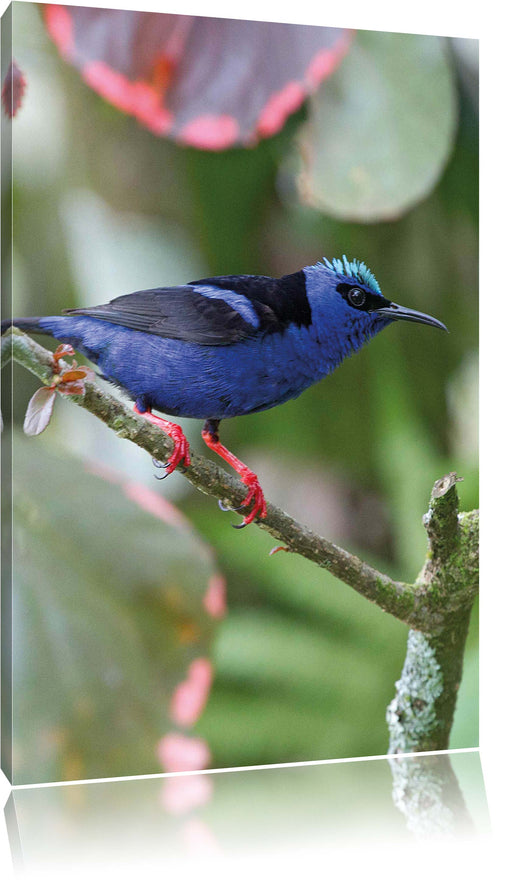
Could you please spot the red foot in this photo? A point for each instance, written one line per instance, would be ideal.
(181, 446)
(255, 493)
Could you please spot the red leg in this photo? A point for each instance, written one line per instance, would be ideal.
(181, 446)
(255, 493)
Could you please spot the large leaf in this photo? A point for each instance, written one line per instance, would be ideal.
(111, 614)
(207, 82)
(381, 129)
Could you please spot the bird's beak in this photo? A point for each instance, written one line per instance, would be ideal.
(394, 311)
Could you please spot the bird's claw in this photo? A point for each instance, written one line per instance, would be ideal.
(160, 465)
(181, 452)
(224, 508)
(171, 465)
(181, 447)
(255, 495)
(250, 479)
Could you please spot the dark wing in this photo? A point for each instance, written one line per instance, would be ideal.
(180, 313)
(277, 303)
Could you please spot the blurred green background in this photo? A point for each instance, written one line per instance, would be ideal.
(304, 667)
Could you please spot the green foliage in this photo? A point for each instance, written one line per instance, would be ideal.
(381, 129)
(109, 582)
(305, 668)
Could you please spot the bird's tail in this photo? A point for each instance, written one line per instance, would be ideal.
(31, 324)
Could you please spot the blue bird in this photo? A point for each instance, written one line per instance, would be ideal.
(229, 345)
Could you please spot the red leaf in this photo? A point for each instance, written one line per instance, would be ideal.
(75, 388)
(70, 376)
(64, 349)
(13, 89)
(39, 411)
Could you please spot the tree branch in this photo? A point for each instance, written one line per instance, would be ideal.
(421, 714)
(406, 602)
(394, 597)
(436, 607)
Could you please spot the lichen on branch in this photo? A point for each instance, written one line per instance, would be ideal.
(421, 714)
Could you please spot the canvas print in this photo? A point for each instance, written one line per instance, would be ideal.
(239, 393)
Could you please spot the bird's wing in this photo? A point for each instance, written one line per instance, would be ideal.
(277, 303)
(197, 312)
(215, 312)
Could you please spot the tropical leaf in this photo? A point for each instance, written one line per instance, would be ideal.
(381, 129)
(110, 615)
(208, 82)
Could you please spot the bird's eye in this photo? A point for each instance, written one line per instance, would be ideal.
(356, 297)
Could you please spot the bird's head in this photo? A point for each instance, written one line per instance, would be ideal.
(361, 305)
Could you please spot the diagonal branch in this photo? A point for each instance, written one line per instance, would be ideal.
(404, 601)
(436, 608)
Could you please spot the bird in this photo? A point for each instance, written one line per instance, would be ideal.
(227, 346)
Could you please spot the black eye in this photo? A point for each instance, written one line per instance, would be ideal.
(356, 297)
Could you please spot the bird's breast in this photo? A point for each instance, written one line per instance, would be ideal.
(185, 379)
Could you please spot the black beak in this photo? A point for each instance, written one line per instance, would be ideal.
(394, 311)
